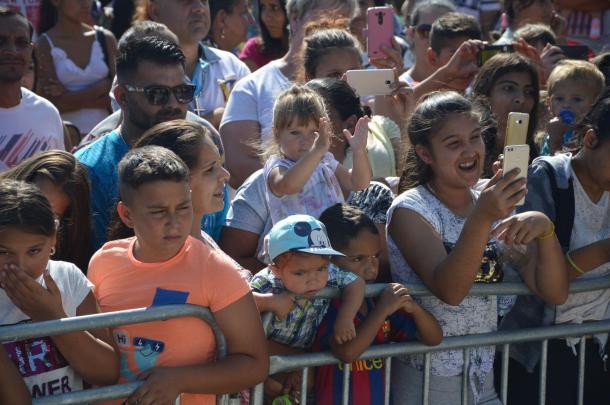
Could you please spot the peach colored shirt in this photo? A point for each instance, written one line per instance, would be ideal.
(196, 275)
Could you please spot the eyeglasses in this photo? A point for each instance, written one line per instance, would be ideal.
(423, 29)
(159, 95)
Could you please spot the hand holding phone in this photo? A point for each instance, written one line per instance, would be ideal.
(516, 156)
(490, 51)
(380, 30)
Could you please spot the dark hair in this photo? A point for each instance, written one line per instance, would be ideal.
(141, 29)
(598, 118)
(602, 61)
(269, 45)
(9, 12)
(225, 5)
(321, 42)
(429, 116)
(452, 26)
(343, 224)
(489, 133)
(48, 16)
(535, 33)
(338, 95)
(421, 6)
(153, 49)
(23, 206)
(63, 170)
(148, 164)
(500, 65)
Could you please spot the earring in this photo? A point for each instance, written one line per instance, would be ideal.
(52, 251)
(222, 33)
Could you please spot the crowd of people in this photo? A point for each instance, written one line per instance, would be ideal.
(216, 155)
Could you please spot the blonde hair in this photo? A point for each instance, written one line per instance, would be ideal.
(297, 105)
(580, 71)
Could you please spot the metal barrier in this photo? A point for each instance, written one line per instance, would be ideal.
(106, 320)
(503, 338)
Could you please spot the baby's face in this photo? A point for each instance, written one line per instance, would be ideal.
(573, 96)
(303, 274)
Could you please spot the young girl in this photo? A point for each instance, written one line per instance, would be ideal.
(75, 62)
(64, 182)
(35, 289)
(439, 234)
(302, 176)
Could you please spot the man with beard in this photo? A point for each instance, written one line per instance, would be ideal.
(152, 88)
(29, 124)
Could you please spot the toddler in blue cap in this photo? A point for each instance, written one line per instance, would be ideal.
(299, 251)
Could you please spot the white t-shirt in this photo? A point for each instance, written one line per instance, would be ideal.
(591, 224)
(43, 368)
(253, 97)
(31, 127)
(474, 314)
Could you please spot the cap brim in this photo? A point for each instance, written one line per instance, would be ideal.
(320, 251)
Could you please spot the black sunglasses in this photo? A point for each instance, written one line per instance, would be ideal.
(423, 29)
(159, 95)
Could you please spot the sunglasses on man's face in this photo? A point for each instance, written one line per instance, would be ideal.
(159, 95)
(423, 29)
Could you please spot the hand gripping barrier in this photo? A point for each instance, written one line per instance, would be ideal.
(105, 320)
(501, 338)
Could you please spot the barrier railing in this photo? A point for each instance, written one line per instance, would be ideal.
(305, 361)
(503, 338)
(106, 320)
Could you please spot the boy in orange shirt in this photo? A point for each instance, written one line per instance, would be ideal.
(163, 265)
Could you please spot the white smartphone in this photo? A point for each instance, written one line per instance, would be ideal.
(375, 82)
(516, 128)
(516, 156)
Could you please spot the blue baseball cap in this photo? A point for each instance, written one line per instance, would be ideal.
(301, 233)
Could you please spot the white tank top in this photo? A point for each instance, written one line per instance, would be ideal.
(75, 78)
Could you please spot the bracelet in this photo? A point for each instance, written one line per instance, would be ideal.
(574, 266)
(548, 235)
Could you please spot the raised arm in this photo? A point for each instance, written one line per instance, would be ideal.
(450, 276)
(287, 181)
(359, 177)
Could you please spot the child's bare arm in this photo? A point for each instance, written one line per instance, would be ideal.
(359, 177)
(587, 258)
(101, 365)
(393, 297)
(429, 332)
(351, 299)
(283, 181)
(279, 304)
(12, 388)
(246, 364)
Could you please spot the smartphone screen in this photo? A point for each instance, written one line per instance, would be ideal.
(580, 52)
(491, 50)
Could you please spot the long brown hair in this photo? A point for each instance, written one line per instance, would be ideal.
(429, 116)
(65, 171)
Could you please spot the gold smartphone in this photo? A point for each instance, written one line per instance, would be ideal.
(517, 156)
(516, 128)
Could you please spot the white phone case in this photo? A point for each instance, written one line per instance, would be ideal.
(517, 156)
(375, 82)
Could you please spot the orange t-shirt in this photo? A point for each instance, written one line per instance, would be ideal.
(196, 275)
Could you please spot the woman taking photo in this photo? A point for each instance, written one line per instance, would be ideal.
(439, 233)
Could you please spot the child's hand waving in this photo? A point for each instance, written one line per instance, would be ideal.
(358, 141)
(34, 300)
(322, 142)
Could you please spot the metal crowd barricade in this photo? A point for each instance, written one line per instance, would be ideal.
(500, 338)
(106, 320)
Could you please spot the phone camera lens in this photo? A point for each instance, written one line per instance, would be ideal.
(519, 122)
(380, 18)
(388, 82)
